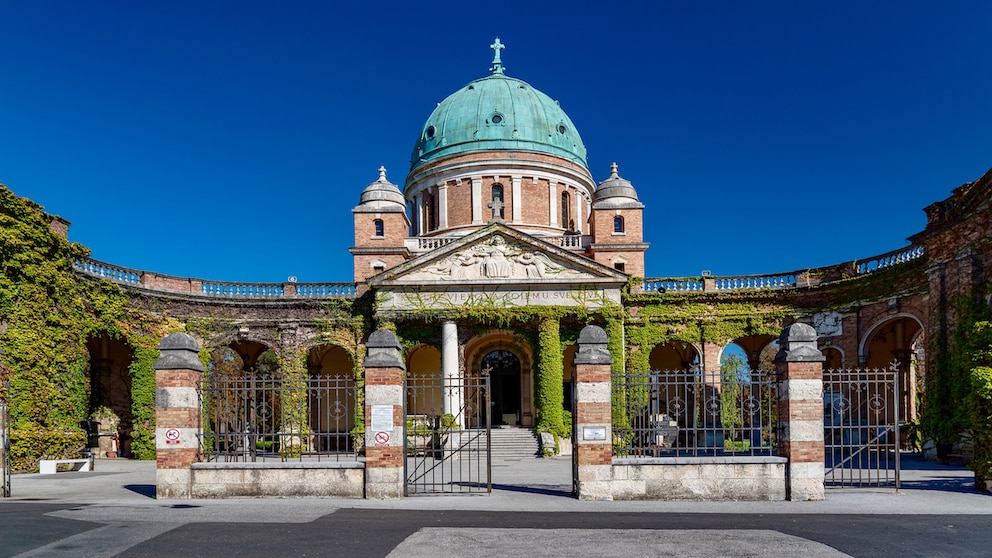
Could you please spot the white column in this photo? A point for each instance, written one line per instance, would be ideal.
(578, 211)
(450, 386)
(477, 201)
(517, 204)
(442, 206)
(555, 204)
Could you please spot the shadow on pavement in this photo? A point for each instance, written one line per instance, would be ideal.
(147, 490)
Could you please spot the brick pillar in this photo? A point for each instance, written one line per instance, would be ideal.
(384, 421)
(800, 411)
(593, 444)
(178, 373)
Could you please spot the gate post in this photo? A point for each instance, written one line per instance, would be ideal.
(178, 373)
(800, 411)
(384, 420)
(593, 444)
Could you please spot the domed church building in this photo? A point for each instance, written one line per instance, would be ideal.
(500, 288)
(499, 209)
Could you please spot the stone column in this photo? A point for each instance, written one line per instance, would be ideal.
(384, 420)
(477, 200)
(450, 383)
(593, 444)
(517, 200)
(800, 411)
(178, 373)
(442, 206)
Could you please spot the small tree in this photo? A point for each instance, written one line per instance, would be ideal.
(733, 374)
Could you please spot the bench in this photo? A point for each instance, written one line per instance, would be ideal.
(964, 455)
(50, 466)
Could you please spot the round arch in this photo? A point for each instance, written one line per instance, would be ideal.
(331, 397)
(674, 355)
(110, 386)
(511, 383)
(891, 341)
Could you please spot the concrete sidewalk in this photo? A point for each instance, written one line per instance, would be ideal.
(125, 489)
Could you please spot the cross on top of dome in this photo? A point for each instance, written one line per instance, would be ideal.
(497, 63)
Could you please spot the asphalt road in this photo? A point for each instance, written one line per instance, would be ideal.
(29, 527)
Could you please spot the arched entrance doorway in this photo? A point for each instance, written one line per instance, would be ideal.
(503, 369)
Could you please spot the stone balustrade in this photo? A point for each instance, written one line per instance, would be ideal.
(263, 291)
(212, 289)
(890, 259)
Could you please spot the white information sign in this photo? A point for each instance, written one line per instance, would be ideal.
(382, 418)
(594, 433)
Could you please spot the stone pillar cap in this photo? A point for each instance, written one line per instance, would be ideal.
(592, 346)
(178, 351)
(383, 350)
(798, 344)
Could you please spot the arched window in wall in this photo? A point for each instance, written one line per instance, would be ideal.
(618, 225)
(415, 217)
(497, 200)
(430, 211)
(380, 228)
(566, 211)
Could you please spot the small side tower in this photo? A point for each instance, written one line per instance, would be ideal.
(381, 226)
(617, 226)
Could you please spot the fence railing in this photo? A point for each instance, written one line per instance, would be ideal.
(689, 413)
(258, 418)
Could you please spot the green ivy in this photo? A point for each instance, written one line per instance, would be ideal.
(549, 378)
(47, 313)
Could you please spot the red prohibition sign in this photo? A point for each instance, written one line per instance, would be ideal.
(381, 437)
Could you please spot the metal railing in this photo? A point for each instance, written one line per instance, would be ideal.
(258, 418)
(689, 413)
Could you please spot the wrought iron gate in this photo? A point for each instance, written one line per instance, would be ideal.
(447, 435)
(861, 427)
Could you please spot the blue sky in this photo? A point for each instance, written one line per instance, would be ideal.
(230, 140)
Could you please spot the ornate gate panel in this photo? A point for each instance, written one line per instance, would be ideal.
(861, 427)
(447, 435)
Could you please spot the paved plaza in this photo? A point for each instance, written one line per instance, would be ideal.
(112, 511)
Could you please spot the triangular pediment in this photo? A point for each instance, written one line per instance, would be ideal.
(498, 255)
(496, 266)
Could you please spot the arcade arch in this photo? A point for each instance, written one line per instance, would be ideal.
(507, 361)
(331, 397)
(424, 363)
(110, 383)
(897, 339)
(674, 355)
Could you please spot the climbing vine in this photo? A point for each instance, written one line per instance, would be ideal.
(548, 385)
(47, 315)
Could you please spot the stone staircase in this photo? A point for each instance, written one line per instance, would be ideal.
(509, 443)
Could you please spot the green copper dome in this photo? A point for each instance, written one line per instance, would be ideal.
(498, 113)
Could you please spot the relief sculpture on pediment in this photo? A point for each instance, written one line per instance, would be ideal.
(494, 258)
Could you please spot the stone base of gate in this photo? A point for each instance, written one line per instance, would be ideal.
(227, 480)
(700, 478)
